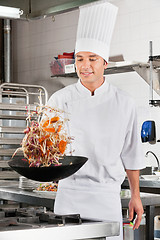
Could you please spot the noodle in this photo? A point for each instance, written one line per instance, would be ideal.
(45, 140)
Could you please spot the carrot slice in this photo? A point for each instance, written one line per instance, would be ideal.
(59, 128)
(54, 119)
(43, 138)
(46, 123)
(62, 146)
(47, 153)
(57, 135)
(52, 130)
(48, 142)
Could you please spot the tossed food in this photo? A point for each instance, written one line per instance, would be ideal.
(45, 139)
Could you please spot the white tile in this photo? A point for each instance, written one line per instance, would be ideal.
(32, 26)
(24, 77)
(22, 28)
(23, 42)
(15, 66)
(35, 40)
(67, 19)
(23, 65)
(135, 18)
(23, 53)
(63, 33)
(145, 16)
(156, 45)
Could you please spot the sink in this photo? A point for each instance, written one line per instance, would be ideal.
(157, 173)
(150, 177)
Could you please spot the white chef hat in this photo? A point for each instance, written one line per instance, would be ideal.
(95, 28)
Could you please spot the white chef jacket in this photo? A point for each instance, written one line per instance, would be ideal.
(104, 127)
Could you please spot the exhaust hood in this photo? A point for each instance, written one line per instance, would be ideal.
(35, 9)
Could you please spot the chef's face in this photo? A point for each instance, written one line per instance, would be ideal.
(90, 68)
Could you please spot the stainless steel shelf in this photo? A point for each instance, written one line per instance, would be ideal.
(74, 75)
(13, 117)
(14, 98)
(17, 130)
(5, 152)
(122, 67)
(113, 68)
(9, 175)
(141, 68)
(10, 141)
(19, 107)
(3, 164)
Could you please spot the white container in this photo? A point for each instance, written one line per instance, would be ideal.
(137, 234)
(157, 173)
(157, 227)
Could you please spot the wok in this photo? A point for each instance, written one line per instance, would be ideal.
(70, 165)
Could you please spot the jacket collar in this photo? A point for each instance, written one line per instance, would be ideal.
(83, 90)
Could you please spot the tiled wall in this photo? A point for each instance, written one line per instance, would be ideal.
(37, 42)
(138, 22)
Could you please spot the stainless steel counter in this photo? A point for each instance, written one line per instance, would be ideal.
(97, 230)
(47, 199)
(87, 230)
(148, 199)
(146, 186)
(29, 197)
(151, 203)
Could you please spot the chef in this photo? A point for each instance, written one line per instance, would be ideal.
(104, 126)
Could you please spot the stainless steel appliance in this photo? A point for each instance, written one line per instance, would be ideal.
(14, 99)
(29, 223)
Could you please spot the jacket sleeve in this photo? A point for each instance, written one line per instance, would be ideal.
(132, 153)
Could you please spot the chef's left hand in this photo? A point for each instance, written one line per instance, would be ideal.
(135, 205)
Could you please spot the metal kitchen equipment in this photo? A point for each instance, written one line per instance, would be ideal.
(14, 98)
(158, 166)
(25, 223)
(70, 165)
(149, 71)
(152, 58)
(41, 9)
(144, 69)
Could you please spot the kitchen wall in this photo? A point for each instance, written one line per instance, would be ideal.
(35, 43)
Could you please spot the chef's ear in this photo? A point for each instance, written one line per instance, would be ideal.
(105, 64)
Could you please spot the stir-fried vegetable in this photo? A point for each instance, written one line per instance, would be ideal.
(45, 140)
(51, 187)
